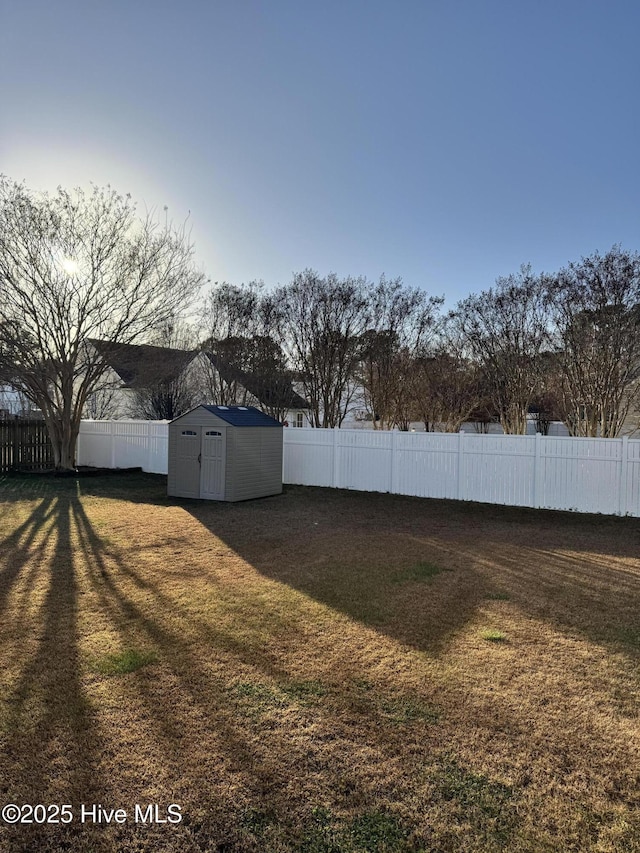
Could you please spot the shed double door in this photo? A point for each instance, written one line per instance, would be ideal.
(200, 471)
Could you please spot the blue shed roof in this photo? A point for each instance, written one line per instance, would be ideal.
(243, 416)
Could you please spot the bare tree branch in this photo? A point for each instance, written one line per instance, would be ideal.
(505, 330)
(74, 266)
(596, 313)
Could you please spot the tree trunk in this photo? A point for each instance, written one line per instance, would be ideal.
(64, 437)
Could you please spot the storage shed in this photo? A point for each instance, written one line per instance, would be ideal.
(225, 453)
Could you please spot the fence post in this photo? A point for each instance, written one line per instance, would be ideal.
(284, 452)
(624, 474)
(112, 433)
(460, 488)
(149, 446)
(537, 471)
(15, 454)
(335, 476)
(78, 452)
(392, 463)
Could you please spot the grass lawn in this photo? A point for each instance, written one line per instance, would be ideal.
(322, 671)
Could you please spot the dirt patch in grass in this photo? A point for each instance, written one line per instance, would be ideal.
(308, 672)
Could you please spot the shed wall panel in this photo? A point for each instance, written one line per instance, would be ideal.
(256, 463)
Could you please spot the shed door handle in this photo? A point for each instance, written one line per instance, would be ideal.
(199, 458)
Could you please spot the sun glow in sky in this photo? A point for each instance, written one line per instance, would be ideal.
(69, 266)
(447, 143)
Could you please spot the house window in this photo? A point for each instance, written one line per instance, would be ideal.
(298, 420)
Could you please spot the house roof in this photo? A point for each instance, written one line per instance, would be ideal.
(146, 366)
(242, 416)
(273, 391)
(143, 365)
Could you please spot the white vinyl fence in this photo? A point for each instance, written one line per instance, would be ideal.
(579, 474)
(124, 444)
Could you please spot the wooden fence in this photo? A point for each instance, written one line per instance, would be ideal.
(24, 445)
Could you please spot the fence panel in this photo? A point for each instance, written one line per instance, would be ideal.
(309, 456)
(580, 474)
(498, 469)
(364, 460)
(24, 445)
(95, 445)
(124, 444)
(426, 464)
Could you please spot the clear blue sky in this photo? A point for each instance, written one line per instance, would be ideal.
(444, 141)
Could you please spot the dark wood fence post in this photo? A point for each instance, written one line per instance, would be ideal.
(15, 455)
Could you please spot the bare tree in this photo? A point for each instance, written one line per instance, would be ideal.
(322, 321)
(547, 403)
(74, 266)
(240, 364)
(175, 333)
(234, 311)
(505, 330)
(252, 371)
(380, 365)
(448, 388)
(164, 401)
(102, 403)
(596, 313)
(246, 362)
(403, 323)
(166, 385)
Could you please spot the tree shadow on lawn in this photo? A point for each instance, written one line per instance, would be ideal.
(404, 586)
(361, 554)
(49, 743)
(52, 749)
(361, 576)
(177, 729)
(226, 748)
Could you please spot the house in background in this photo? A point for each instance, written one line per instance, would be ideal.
(272, 393)
(13, 403)
(160, 383)
(144, 381)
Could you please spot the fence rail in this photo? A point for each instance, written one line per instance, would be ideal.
(24, 445)
(579, 474)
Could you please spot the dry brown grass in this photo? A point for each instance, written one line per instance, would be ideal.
(312, 671)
